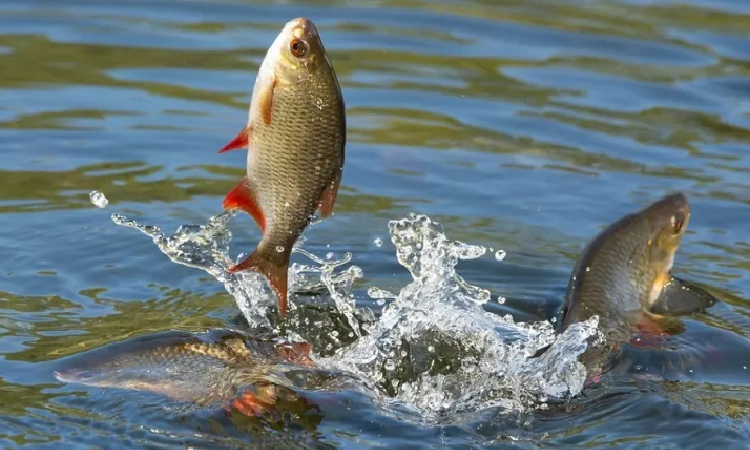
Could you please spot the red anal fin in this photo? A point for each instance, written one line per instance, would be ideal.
(266, 100)
(329, 196)
(242, 197)
(239, 142)
(276, 275)
(296, 352)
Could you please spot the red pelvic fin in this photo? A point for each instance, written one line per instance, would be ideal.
(239, 142)
(242, 197)
(276, 275)
(329, 196)
(250, 404)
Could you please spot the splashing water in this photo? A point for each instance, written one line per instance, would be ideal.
(98, 199)
(206, 247)
(434, 348)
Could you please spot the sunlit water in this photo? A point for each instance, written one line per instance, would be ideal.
(520, 127)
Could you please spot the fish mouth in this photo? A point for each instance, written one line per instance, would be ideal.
(674, 208)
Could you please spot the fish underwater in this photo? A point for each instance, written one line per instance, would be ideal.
(207, 368)
(623, 276)
(295, 136)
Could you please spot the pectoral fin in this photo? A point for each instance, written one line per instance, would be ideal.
(266, 100)
(682, 297)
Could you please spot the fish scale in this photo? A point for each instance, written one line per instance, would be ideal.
(295, 135)
(183, 366)
(292, 171)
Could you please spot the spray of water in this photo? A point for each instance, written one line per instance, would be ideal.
(434, 348)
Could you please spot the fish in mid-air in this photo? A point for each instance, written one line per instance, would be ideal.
(623, 276)
(213, 367)
(295, 136)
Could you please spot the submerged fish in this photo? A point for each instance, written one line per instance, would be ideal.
(295, 135)
(203, 369)
(623, 276)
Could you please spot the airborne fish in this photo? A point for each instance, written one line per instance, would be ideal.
(623, 276)
(203, 369)
(295, 135)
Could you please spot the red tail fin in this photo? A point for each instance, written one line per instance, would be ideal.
(276, 275)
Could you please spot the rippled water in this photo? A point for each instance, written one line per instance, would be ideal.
(521, 126)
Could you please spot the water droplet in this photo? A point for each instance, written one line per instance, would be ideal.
(500, 255)
(378, 242)
(280, 248)
(375, 292)
(329, 255)
(380, 301)
(98, 199)
(588, 269)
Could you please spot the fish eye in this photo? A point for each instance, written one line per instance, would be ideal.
(298, 47)
(86, 375)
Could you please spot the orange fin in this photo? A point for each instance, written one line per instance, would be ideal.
(296, 352)
(649, 333)
(250, 404)
(266, 100)
(276, 275)
(241, 197)
(329, 196)
(240, 141)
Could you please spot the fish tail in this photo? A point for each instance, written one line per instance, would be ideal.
(273, 270)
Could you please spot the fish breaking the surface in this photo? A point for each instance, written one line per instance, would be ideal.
(623, 276)
(212, 367)
(295, 135)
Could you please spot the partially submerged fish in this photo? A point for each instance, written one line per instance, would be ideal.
(295, 135)
(623, 276)
(203, 369)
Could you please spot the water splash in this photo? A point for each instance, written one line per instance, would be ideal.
(98, 199)
(434, 348)
(206, 247)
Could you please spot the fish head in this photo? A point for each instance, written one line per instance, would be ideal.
(95, 372)
(298, 52)
(668, 219)
(626, 267)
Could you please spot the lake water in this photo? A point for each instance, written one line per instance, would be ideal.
(521, 126)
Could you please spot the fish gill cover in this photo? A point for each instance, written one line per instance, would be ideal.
(433, 349)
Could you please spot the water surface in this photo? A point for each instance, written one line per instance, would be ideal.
(524, 126)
